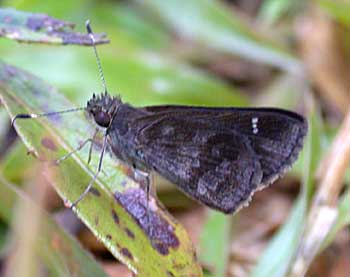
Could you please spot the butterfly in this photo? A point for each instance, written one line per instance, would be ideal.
(217, 156)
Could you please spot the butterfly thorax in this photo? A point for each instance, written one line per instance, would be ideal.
(103, 108)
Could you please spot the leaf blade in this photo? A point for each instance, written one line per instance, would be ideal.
(120, 228)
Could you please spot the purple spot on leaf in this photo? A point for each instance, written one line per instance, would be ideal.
(159, 231)
(115, 217)
(125, 252)
(129, 233)
(95, 191)
(161, 248)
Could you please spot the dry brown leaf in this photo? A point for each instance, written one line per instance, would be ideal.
(322, 47)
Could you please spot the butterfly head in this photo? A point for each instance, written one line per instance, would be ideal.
(102, 108)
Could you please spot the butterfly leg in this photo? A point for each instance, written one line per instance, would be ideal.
(92, 143)
(81, 146)
(92, 181)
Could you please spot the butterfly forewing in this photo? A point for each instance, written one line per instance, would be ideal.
(218, 156)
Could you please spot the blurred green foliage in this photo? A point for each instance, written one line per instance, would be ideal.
(53, 245)
(339, 9)
(144, 63)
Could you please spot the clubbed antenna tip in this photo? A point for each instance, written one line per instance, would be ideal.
(93, 42)
(34, 115)
(88, 27)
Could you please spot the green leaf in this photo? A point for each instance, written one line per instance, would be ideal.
(211, 23)
(140, 78)
(62, 254)
(41, 28)
(214, 243)
(339, 9)
(273, 10)
(285, 242)
(15, 166)
(134, 29)
(152, 244)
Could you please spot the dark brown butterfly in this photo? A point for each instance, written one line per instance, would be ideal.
(218, 156)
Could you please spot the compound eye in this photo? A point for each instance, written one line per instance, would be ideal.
(102, 118)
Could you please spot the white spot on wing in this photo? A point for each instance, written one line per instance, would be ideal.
(255, 125)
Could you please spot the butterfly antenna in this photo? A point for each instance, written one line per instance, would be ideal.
(93, 41)
(34, 115)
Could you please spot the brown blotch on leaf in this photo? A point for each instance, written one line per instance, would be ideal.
(108, 236)
(97, 220)
(129, 233)
(56, 242)
(32, 153)
(169, 274)
(49, 144)
(115, 216)
(157, 228)
(181, 266)
(125, 252)
(161, 248)
(95, 191)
